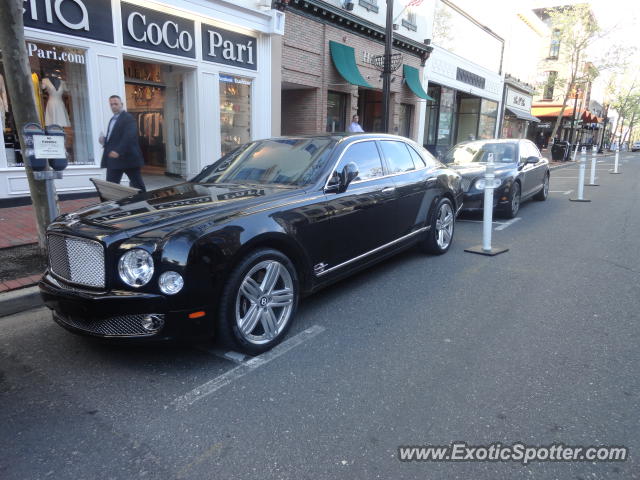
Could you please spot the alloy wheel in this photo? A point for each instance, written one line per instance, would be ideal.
(264, 302)
(515, 199)
(444, 226)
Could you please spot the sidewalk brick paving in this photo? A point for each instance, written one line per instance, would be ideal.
(19, 283)
(19, 223)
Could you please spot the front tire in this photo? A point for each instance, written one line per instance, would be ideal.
(259, 302)
(440, 235)
(514, 201)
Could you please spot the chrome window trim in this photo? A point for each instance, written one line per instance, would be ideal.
(370, 252)
(374, 139)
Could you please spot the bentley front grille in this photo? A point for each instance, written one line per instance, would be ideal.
(77, 260)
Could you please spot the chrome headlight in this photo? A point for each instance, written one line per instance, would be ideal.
(136, 267)
(475, 183)
(170, 282)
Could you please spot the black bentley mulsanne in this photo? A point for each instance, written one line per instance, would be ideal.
(230, 252)
(522, 171)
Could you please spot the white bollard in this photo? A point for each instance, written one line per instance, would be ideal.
(592, 180)
(487, 219)
(615, 165)
(582, 161)
(575, 152)
(488, 184)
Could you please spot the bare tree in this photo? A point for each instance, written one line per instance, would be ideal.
(21, 95)
(576, 31)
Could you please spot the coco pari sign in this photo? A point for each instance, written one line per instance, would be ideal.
(228, 48)
(157, 31)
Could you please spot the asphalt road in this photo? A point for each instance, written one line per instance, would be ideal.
(538, 345)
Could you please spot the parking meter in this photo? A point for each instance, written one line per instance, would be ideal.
(29, 131)
(56, 152)
(46, 147)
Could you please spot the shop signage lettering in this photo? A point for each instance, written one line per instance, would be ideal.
(156, 31)
(228, 48)
(238, 80)
(82, 18)
(470, 78)
(54, 54)
(518, 100)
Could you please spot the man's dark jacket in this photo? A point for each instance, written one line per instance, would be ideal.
(124, 140)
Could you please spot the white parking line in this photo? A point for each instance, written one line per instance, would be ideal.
(235, 357)
(243, 368)
(501, 225)
(478, 221)
(567, 192)
(507, 224)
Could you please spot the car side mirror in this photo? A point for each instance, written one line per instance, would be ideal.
(532, 160)
(348, 174)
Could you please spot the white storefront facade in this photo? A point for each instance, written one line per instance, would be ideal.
(195, 74)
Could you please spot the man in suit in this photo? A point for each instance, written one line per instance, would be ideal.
(122, 152)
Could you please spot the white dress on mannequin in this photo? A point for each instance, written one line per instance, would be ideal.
(4, 103)
(55, 111)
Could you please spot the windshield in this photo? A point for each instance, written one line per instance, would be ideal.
(293, 162)
(478, 152)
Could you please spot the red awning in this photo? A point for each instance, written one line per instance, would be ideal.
(547, 110)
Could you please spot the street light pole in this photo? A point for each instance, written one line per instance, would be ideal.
(386, 72)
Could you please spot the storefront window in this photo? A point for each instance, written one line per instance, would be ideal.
(336, 112)
(11, 145)
(431, 123)
(235, 111)
(445, 117)
(488, 119)
(468, 114)
(59, 78)
(404, 119)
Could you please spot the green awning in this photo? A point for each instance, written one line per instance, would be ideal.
(344, 58)
(412, 76)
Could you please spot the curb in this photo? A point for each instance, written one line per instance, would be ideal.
(20, 300)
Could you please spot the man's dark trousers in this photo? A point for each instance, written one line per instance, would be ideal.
(123, 139)
(135, 177)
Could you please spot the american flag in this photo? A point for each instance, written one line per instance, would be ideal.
(413, 3)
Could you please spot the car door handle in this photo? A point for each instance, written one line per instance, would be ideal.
(388, 189)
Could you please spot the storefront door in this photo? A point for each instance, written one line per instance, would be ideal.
(370, 110)
(155, 97)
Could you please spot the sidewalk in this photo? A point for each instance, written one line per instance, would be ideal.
(19, 223)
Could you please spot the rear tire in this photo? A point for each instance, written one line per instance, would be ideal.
(440, 235)
(259, 301)
(542, 195)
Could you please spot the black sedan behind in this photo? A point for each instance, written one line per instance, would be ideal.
(523, 172)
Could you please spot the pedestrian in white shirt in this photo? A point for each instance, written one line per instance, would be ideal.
(355, 126)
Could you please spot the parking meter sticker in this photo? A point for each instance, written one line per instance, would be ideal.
(49, 146)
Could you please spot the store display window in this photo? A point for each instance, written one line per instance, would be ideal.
(336, 112)
(235, 111)
(488, 119)
(11, 145)
(61, 93)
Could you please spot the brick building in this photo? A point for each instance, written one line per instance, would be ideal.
(317, 97)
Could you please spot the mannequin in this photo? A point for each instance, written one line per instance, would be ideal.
(4, 102)
(55, 111)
